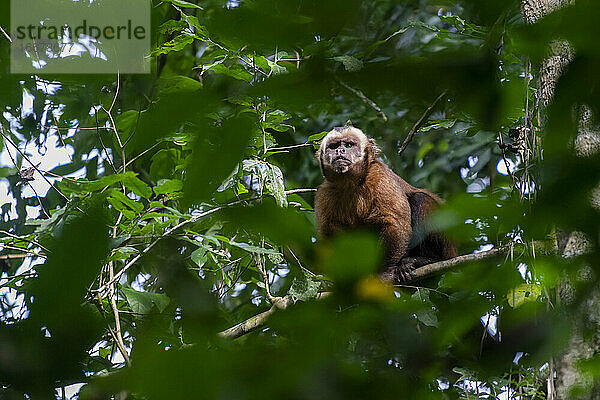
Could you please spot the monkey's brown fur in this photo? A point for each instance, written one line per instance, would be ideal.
(360, 191)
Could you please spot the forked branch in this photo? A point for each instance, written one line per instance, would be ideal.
(425, 271)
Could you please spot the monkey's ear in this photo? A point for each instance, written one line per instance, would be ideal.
(319, 160)
(373, 149)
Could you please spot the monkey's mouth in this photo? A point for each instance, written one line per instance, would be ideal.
(341, 164)
(341, 160)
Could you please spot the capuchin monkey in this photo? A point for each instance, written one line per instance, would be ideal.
(360, 191)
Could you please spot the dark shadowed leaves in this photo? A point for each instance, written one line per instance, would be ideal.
(216, 151)
(53, 342)
(287, 24)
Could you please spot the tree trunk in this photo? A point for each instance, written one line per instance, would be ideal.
(587, 143)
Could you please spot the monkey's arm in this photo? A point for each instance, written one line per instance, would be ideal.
(326, 229)
(326, 226)
(396, 233)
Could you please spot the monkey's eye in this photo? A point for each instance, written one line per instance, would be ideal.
(349, 144)
(334, 145)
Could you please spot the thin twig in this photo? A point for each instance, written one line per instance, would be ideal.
(295, 146)
(364, 98)
(264, 134)
(118, 336)
(142, 153)
(418, 124)
(38, 199)
(5, 34)
(29, 161)
(113, 302)
(108, 156)
(260, 264)
(69, 178)
(26, 251)
(293, 191)
(23, 239)
(11, 256)
(19, 276)
(176, 227)
(507, 165)
(29, 184)
(303, 268)
(51, 111)
(89, 128)
(116, 92)
(225, 49)
(165, 234)
(114, 128)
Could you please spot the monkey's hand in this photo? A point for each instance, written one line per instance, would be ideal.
(388, 275)
(405, 271)
(402, 272)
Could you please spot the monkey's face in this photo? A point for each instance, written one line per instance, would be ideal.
(342, 151)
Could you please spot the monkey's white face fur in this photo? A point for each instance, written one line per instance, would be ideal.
(342, 148)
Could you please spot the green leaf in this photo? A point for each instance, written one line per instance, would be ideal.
(304, 289)
(163, 164)
(83, 186)
(427, 317)
(231, 181)
(276, 68)
(440, 124)
(123, 253)
(134, 205)
(423, 150)
(421, 294)
(168, 186)
(253, 249)
(172, 26)
(270, 176)
(524, 293)
(199, 256)
(178, 84)
(317, 136)
(126, 123)
(235, 71)
(137, 186)
(177, 44)
(143, 302)
(104, 353)
(352, 64)
(7, 171)
(182, 3)
(193, 22)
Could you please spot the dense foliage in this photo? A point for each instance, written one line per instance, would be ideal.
(183, 207)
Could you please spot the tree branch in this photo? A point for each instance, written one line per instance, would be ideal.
(364, 98)
(6, 138)
(254, 322)
(418, 124)
(442, 266)
(425, 271)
